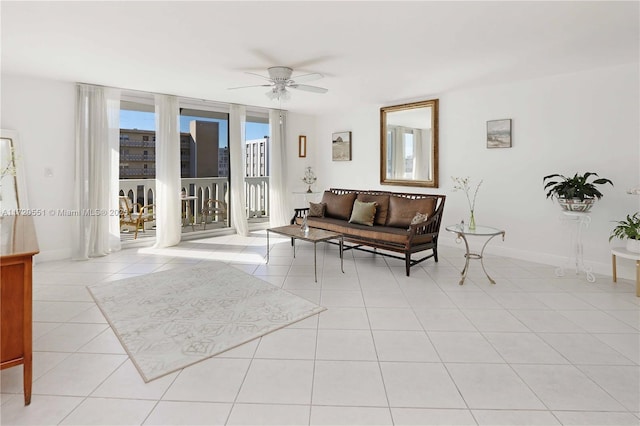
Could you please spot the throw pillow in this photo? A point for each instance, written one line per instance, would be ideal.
(363, 213)
(317, 209)
(382, 208)
(402, 210)
(418, 218)
(339, 206)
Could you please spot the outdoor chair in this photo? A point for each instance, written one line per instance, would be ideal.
(215, 209)
(133, 218)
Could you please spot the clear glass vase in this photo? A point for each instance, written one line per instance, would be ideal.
(472, 222)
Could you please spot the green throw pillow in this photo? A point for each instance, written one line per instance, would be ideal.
(363, 213)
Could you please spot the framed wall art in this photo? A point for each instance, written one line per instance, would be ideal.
(302, 146)
(341, 146)
(499, 133)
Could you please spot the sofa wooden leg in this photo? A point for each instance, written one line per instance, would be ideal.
(407, 262)
(435, 254)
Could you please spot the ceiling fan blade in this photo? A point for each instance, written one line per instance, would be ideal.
(258, 75)
(244, 87)
(307, 77)
(308, 88)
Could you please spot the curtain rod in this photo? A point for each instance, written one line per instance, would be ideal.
(178, 96)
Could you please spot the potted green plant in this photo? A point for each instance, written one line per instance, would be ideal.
(628, 229)
(575, 193)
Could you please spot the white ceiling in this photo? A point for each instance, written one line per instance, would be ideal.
(381, 52)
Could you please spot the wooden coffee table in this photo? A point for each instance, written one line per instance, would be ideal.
(313, 235)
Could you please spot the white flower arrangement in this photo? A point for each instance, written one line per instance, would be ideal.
(634, 191)
(464, 184)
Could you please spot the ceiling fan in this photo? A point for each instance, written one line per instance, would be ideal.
(280, 80)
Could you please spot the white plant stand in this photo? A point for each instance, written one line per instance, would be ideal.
(578, 221)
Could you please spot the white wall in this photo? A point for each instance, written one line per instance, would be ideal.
(587, 121)
(300, 124)
(42, 112)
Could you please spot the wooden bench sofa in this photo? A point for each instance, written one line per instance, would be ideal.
(401, 222)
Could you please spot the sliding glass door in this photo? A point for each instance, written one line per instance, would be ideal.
(204, 165)
(137, 167)
(204, 168)
(257, 148)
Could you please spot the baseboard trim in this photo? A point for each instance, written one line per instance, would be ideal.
(625, 270)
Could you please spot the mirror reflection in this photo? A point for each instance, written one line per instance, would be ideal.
(8, 183)
(409, 144)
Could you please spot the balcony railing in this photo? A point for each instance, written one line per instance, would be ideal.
(257, 196)
(256, 189)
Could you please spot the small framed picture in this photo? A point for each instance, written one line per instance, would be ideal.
(341, 146)
(499, 133)
(302, 146)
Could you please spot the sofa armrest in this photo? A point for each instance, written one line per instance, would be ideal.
(299, 213)
(428, 227)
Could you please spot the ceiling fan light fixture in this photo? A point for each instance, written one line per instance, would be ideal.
(278, 93)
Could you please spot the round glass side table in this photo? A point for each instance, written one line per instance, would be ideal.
(462, 232)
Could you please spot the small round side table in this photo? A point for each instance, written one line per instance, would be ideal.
(462, 232)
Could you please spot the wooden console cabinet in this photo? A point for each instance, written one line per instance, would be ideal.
(18, 246)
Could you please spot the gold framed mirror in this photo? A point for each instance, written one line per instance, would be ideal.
(409, 144)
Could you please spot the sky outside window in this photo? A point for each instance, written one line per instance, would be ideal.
(141, 120)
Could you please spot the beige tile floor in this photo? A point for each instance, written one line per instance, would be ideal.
(532, 349)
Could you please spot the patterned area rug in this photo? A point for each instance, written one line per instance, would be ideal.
(172, 319)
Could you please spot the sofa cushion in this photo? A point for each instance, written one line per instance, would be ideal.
(317, 209)
(374, 233)
(383, 206)
(338, 205)
(403, 210)
(363, 213)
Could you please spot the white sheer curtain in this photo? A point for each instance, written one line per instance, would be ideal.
(95, 230)
(279, 215)
(167, 203)
(237, 120)
(399, 166)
